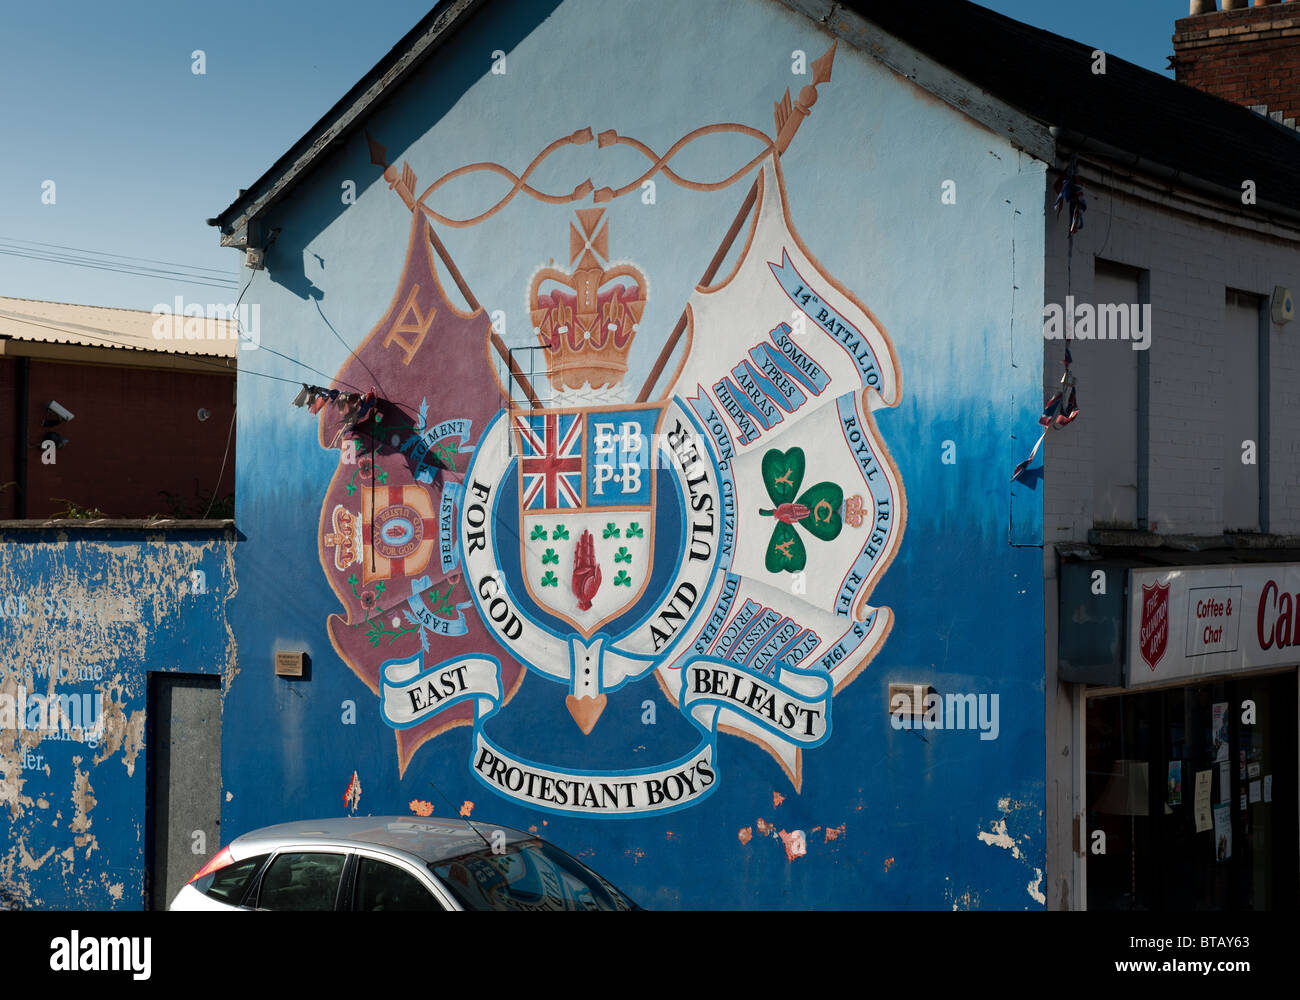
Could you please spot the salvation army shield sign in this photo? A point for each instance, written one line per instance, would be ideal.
(1153, 638)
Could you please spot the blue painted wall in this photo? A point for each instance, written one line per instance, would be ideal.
(89, 613)
(886, 817)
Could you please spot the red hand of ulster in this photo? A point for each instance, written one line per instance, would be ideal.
(586, 574)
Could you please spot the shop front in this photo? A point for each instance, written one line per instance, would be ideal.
(1189, 712)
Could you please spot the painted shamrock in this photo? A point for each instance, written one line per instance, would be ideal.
(634, 530)
(817, 509)
(538, 533)
(611, 530)
(550, 556)
(622, 555)
(550, 580)
(560, 531)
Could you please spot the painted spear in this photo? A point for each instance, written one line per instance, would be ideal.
(789, 116)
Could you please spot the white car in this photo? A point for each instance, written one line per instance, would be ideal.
(395, 863)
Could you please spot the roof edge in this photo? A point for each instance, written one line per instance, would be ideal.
(1019, 129)
(337, 123)
(1072, 140)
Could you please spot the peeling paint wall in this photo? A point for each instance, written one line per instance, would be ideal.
(85, 616)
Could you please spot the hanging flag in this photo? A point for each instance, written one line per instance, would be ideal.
(387, 536)
(1060, 411)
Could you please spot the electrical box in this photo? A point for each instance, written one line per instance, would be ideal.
(1283, 305)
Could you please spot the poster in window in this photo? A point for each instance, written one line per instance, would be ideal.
(1222, 833)
(1202, 802)
(1175, 792)
(1220, 730)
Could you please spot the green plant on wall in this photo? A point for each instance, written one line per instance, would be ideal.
(202, 505)
(75, 512)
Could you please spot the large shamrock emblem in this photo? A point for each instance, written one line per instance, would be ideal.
(817, 510)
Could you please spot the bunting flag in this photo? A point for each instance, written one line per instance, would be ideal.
(1059, 412)
(356, 407)
(1069, 193)
(1061, 409)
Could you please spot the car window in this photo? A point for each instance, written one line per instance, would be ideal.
(527, 875)
(301, 881)
(230, 883)
(381, 886)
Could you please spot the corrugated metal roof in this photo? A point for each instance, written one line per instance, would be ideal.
(123, 329)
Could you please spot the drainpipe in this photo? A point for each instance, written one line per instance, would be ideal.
(20, 438)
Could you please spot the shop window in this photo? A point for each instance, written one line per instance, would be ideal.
(1191, 797)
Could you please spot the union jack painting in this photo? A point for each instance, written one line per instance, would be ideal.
(550, 460)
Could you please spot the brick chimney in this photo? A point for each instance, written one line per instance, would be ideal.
(1247, 55)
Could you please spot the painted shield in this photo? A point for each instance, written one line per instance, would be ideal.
(1154, 637)
(586, 508)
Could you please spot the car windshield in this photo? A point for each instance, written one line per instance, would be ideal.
(527, 875)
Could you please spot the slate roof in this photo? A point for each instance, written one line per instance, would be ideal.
(1050, 78)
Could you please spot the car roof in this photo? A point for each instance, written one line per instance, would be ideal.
(428, 839)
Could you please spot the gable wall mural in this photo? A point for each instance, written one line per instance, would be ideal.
(666, 418)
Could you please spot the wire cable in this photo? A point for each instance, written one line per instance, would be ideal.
(105, 266)
(229, 434)
(104, 253)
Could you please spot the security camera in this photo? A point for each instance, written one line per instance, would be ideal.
(59, 411)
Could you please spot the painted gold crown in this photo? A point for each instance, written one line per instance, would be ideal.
(586, 319)
(345, 537)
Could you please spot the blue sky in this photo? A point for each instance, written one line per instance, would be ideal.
(102, 100)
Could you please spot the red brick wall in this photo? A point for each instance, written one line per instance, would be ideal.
(135, 433)
(1249, 56)
(8, 397)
